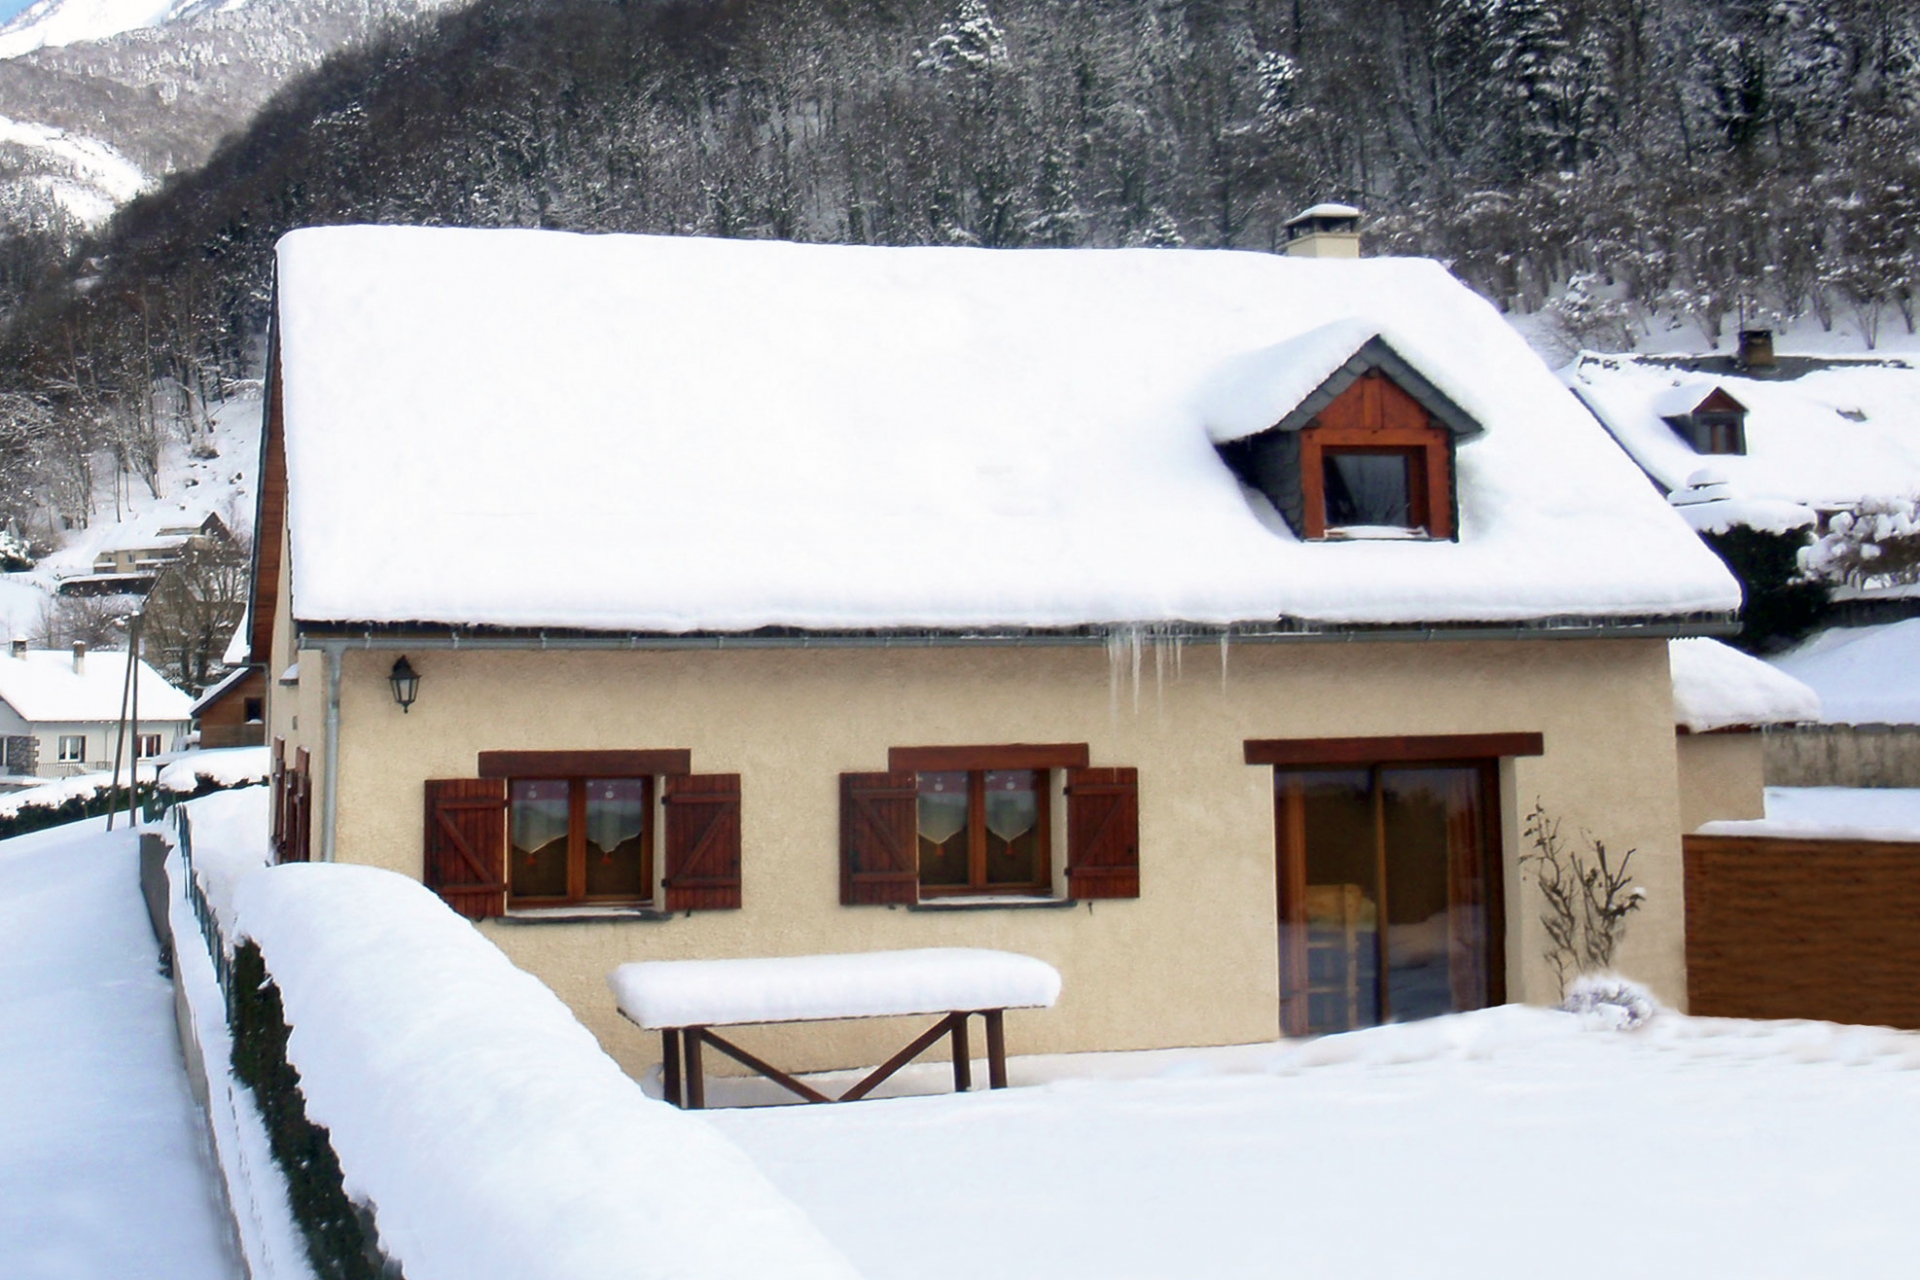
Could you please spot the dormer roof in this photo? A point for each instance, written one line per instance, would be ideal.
(1284, 386)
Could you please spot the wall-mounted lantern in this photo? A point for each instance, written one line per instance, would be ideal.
(405, 681)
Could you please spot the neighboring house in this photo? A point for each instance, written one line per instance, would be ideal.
(1724, 702)
(1758, 440)
(60, 712)
(233, 711)
(1203, 623)
(140, 549)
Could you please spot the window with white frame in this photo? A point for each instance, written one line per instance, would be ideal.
(73, 747)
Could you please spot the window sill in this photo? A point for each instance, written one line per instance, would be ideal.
(1378, 533)
(990, 902)
(582, 915)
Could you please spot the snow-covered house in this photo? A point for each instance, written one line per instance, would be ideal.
(60, 712)
(1770, 444)
(139, 549)
(232, 712)
(1203, 623)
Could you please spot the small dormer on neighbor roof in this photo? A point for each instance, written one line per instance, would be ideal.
(1706, 416)
(1363, 442)
(1324, 231)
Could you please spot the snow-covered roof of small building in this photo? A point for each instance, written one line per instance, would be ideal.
(537, 429)
(1842, 430)
(44, 688)
(1324, 210)
(1715, 686)
(1864, 675)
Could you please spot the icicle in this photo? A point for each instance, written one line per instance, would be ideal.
(1159, 672)
(1133, 642)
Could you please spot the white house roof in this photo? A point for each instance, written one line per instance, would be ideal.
(171, 526)
(537, 429)
(1715, 686)
(1839, 432)
(44, 688)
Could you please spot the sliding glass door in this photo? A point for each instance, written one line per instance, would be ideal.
(1388, 893)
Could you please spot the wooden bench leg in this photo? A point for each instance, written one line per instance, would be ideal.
(996, 1048)
(670, 1067)
(696, 1074)
(962, 1055)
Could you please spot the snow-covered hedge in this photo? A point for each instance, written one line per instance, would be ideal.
(196, 773)
(478, 1121)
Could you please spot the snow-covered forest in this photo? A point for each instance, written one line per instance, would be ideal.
(1721, 161)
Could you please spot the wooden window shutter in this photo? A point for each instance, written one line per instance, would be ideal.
(466, 847)
(702, 871)
(299, 832)
(1103, 833)
(879, 847)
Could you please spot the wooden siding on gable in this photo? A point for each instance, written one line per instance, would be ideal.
(270, 514)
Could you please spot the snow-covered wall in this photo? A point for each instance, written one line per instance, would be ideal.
(484, 1125)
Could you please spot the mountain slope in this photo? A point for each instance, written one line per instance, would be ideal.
(60, 22)
(160, 82)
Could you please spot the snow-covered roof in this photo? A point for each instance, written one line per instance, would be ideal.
(1840, 431)
(44, 688)
(1709, 504)
(1864, 675)
(1715, 686)
(538, 429)
(168, 526)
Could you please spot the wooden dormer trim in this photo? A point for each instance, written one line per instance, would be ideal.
(1374, 413)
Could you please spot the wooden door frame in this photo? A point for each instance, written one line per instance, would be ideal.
(1290, 878)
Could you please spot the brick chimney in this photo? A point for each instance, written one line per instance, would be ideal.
(1324, 231)
(79, 657)
(1756, 349)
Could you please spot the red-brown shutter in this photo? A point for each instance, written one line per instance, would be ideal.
(299, 829)
(466, 848)
(1103, 833)
(879, 849)
(702, 870)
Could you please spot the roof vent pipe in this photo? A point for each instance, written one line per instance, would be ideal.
(79, 657)
(20, 648)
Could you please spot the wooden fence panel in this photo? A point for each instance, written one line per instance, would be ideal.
(1790, 928)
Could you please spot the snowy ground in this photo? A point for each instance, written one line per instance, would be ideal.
(1508, 1143)
(104, 1168)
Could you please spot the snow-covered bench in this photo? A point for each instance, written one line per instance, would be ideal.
(685, 999)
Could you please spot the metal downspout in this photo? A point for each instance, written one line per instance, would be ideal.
(329, 815)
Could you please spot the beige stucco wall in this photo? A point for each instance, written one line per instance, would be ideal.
(1193, 961)
(1721, 777)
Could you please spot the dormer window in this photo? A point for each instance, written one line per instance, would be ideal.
(1711, 423)
(1368, 454)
